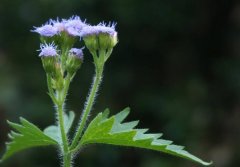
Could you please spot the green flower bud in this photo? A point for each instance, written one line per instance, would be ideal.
(74, 60)
(48, 55)
(91, 42)
(100, 37)
(57, 76)
(49, 64)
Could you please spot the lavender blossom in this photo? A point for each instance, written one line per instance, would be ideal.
(98, 29)
(48, 50)
(77, 52)
(74, 25)
(46, 30)
(58, 25)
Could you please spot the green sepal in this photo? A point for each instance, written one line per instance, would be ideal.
(49, 64)
(91, 42)
(112, 131)
(73, 63)
(26, 135)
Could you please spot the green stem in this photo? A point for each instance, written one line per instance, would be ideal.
(67, 159)
(66, 87)
(62, 130)
(50, 90)
(59, 99)
(88, 107)
(65, 151)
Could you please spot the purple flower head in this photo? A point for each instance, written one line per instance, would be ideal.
(46, 30)
(48, 50)
(58, 25)
(77, 52)
(74, 25)
(100, 28)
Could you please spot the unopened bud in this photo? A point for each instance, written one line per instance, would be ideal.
(48, 55)
(100, 37)
(74, 60)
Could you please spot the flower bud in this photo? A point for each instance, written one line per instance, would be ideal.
(74, 60)
(91, 42)
(74, 25)
(58, 77)
(47, 32)
(48, 55)
(100, 37)
(69, 30)
(107, 41)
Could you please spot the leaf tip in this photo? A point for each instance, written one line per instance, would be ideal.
(208, 163)
(22, 119)
(127, 109)
(9, 122)
(106, 113)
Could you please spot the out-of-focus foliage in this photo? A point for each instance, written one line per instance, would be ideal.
(177, 65)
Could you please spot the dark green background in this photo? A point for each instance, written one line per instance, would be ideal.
(177, 65)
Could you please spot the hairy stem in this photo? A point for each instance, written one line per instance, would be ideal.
(59, 99)
(62, 130)
(67, 157)
(88, 106)
(67, 160)
(50, 89)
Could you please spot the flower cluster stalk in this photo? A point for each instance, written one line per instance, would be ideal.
(88, 107)
(59, 99)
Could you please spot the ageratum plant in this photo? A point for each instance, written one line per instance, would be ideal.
(61, 61)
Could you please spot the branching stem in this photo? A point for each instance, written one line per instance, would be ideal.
(88, 106)
(59, 99)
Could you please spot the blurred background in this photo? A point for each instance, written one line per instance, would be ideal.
(177, 65)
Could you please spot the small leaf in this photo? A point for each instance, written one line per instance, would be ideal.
(112, 131)
(68, 120)
(27, 135)
(53, 131)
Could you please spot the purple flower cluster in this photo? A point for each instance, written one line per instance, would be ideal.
(100, 28)
(64, 33)
(74, 26)
(48, 50)
(46, 30)
(77, 52)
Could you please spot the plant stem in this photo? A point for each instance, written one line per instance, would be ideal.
(88, 106)
(66, 87)
(65, 148)
(62, 130)
(50, 90)
(67, 159)
(59, 98)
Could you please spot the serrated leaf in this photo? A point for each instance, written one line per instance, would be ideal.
(53, 131)
(27, 135)
(112, 131)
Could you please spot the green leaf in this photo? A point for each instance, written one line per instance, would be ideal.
(53, 131)
(112, 131)
(27, 135)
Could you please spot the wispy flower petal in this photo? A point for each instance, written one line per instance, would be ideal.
(74, 25)
(77, 52)
(48, 50)
(46, 30)
(100, 28)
